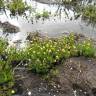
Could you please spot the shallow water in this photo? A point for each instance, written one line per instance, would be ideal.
(53, 27)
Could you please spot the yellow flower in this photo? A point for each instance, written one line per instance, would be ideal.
(88, 44)
(34, 52)
(12, 91)
(58, 50)
(50, 51)
(50, 46)
(54, 60)
(38, 60)
(57, 57)
(43, 47)
(74, 47)
(63, 50)
(44, 53)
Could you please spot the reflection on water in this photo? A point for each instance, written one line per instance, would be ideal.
(53, 27)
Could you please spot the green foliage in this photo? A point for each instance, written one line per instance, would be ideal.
(89, 13)
(44, 54)
(6, 78)
(1, 4)
(15, 55)
(45, 14)
(5, 72)
(86, 49)
(3, 46)
(6, 75)
(38, 15)
(17, 7)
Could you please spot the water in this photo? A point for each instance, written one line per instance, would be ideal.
(53, 27)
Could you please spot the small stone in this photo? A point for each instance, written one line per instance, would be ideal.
(41, 83)
(54, 86)
(39, 89)
(85, 92)
(51, 89)
(71, 68)
(49, 93)
(80, 90)
(29, 93)
(58, 86)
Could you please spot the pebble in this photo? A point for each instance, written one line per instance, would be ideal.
(58, 86)
(54, 86)
(71, 68)
(51, 89)
(80, 90)
(29, 93)
(49, 93)
(85, 92)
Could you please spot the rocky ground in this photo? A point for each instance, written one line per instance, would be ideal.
(77, 77)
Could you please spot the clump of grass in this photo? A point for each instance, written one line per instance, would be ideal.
(86, 49)
(38, 15)
(3, 45)
(6, 75)
(45, 14)
(17, 7)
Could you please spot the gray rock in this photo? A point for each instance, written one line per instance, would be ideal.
(7, 27)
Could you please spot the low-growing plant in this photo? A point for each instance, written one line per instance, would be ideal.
(86, 48)
(45, 54)
(3, 46)
(17, 7)
(6, 78)
(1, 4)
(38, 15)
(45, 14)
(15, 55)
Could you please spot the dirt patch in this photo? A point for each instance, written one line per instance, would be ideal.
(77, 77)
(79, 73)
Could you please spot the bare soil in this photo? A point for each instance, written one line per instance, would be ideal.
(77, 77)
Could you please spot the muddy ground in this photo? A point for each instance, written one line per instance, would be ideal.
(77, 77)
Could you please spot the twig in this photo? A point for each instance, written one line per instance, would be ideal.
(17, 66)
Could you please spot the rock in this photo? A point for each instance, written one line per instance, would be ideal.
(7, 27)
(35, 35)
